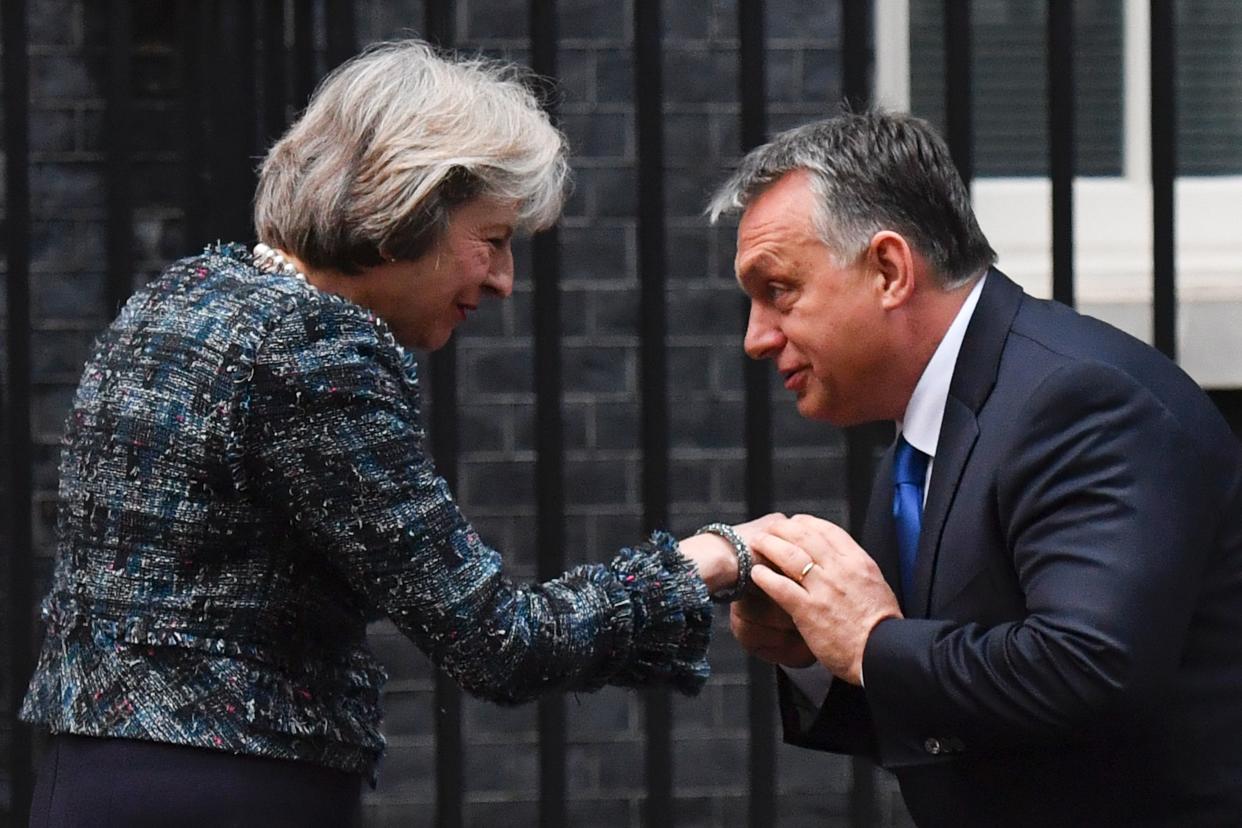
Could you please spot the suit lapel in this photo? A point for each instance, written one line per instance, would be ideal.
(879, 536)
(974, 376)
(958, 434)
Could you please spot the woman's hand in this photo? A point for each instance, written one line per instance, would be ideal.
(715, 556)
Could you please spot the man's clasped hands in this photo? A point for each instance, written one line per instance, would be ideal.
(817, 596)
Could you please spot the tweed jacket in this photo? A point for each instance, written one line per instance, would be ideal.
(244, 485)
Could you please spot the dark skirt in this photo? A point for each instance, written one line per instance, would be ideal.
(85, 781)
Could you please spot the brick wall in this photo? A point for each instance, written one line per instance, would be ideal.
(495, 371)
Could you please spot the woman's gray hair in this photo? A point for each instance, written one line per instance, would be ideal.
(872, 171)
(392, 141)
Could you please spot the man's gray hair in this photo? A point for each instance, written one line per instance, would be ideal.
(395, 138)
(872, 171)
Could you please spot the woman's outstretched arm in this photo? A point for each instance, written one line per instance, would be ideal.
(334, 424)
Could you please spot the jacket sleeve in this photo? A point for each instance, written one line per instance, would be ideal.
(838, 723)
(1108, 521)
(337, 448)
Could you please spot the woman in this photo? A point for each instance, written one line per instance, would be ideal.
(244, 482)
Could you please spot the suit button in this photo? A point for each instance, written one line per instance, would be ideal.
(933, 746)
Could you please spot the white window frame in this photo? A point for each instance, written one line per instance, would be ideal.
(1112, 218)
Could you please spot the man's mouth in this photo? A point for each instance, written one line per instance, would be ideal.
(465, 310)
(796, 379)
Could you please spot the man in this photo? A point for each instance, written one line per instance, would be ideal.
(1043, 622)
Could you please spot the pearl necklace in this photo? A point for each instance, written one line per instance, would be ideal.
(270, 260)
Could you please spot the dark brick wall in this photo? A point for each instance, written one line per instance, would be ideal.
(495, 380)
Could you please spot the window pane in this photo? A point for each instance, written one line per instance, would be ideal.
(1209, 87)
(1010, 82)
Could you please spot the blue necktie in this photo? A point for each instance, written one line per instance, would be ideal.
(909, 472)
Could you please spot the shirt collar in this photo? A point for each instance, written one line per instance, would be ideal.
(921, 425)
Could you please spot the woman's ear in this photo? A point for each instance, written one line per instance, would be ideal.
(891, 261)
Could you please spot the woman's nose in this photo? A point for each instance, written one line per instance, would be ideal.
(500, 280)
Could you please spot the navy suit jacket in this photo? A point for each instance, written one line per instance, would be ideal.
(1072, 654)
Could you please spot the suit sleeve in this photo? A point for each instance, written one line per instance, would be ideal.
(838, 723)
(338, 451)
(1104, 507)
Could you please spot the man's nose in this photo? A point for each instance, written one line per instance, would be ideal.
(764, 339)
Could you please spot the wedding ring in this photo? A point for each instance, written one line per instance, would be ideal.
(809, 566)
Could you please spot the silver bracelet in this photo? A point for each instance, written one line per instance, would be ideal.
(744, 561)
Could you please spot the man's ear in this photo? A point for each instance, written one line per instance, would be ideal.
(891, 262)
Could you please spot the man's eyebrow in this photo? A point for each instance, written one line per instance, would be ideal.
(754, 263)
(746, 274)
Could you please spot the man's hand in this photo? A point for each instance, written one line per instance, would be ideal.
(752, 529)
(837, 602)
(762, 628)
(766, 631)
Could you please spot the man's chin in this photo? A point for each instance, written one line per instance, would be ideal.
(822, 411)
(813, 408)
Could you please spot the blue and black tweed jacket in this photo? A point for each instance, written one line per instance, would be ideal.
(244, 485)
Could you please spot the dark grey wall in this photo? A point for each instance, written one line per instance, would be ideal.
(600, 354)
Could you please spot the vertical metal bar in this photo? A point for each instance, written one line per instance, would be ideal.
(231, 115)
(441, 23)
(253, 133)
(752, 88)
(857, 87)
(1061, 145)
(649, 115)
(1163, 170)
(219, 83)
(342, 41)
(761, 698)
(450, 776)
(19, 451)
(856, 54)
(193, 20)
(275, 102)
(862, 443)
(119, 274)
(304, 74)
(958, 97)
(549, 437)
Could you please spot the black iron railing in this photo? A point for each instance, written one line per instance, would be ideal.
(234, 105)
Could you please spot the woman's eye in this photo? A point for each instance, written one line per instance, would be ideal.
(500, 241)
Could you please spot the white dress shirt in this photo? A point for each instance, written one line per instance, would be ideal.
(921, 428)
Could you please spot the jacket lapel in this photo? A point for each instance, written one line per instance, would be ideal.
(879, 537)
(958, 434)
(974, 376)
